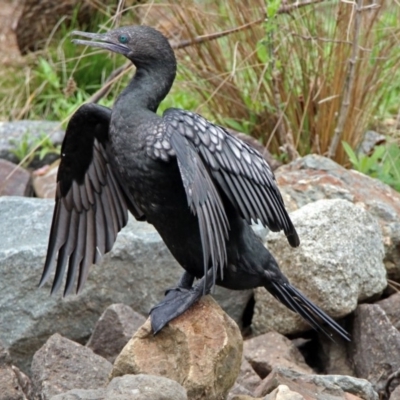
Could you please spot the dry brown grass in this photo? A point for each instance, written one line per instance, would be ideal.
(285, 81)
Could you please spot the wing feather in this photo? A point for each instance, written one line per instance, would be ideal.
(91, 206)
(204, 200)
(238, 169)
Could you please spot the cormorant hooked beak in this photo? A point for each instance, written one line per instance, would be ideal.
(102, 40)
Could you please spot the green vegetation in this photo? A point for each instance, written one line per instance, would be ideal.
(383, 163)
(283, 75)
(30, 147)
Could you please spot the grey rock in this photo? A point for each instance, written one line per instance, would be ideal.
(334, 355)
(10, 388)
(237, 390)
(243, 397)
(369, 141)
(391, 306)
(81, 394)
(358, 387)
(272, 349)
(5, 358)
(395, 395)
(14, 180)
(113, 330)
(339, 262)
(201, 350)
(326, 387)
(143, 387)
(247, 378)
(62, 365)
(12, 133)
(314, 177)
(44, 181)
(130, 387)
(376, 345)
(136, 272)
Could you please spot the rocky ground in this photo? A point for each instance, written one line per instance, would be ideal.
(98, 345)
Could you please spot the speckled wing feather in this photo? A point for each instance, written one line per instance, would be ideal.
(238, 169)
(91, 207)
(204, 201)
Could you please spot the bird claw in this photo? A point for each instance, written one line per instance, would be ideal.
(175, 289)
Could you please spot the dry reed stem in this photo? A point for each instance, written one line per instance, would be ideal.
(349, 81)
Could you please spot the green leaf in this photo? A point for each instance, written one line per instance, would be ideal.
(262, 52)
(351, 154)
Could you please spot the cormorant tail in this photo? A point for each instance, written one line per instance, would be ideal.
(293, 299)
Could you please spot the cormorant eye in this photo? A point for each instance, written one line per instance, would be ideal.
(123, 38)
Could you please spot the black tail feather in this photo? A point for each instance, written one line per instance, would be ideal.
(297, 302)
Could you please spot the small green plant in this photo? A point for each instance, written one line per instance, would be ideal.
(29, 147)
(40, 86)
(383, 163)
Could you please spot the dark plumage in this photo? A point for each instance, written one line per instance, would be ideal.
(198, 185)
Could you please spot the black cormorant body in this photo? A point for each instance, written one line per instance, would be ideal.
(197, 184)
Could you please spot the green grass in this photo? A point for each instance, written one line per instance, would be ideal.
(30, 147)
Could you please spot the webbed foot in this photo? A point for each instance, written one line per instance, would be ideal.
(177, 301)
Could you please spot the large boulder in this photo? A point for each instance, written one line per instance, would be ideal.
(201, 350)
(271, 350)
(61, 365)
(391, 306)
(339, 262)
(314, 177)
(113, 330)
(376, 345)
(136, 272)
(14, 384)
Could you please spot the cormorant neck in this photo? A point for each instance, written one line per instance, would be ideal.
(150, 84)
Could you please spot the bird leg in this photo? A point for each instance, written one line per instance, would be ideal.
(178, 300)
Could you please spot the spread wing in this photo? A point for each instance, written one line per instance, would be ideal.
(238, 169)
(91, 206)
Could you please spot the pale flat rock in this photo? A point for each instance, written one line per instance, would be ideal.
(143, 387)
(282, 392)
(338, 263)
(201, 350)
(318, 387)
(81, 394)
(130, 387)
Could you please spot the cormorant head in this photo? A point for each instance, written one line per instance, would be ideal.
(141, 44)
